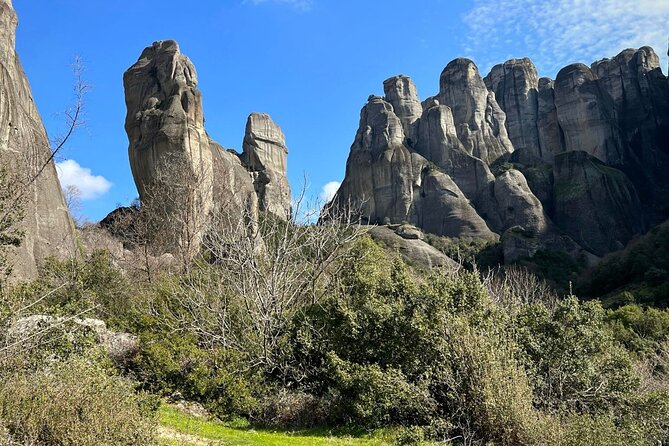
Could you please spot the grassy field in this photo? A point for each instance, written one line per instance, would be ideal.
(180, 428)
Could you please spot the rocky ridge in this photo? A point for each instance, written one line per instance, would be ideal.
(576, 164)
(25, 152)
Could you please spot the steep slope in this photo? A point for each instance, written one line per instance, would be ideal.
(25, 150)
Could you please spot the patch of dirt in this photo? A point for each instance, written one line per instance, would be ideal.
(184, 439)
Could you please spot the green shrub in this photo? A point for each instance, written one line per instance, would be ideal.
(573, 359)
(75, 403)
(169, 364)
(640, 330)
(389, 350)
(93, 287)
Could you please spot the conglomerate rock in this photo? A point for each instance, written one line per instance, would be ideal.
(25, 152)
(548, 163)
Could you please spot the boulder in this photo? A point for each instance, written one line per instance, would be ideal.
(414, 250)
(517, 205)
(119, 346)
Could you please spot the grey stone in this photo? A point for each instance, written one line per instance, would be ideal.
(595, 204)
(414, 250)
(170, 149)
(479, 120)
(516, 86)
(409, 232)
(386, 181)
(585, 114)
(264, 155)
(401, 93)
(517, 204)
(24, 150)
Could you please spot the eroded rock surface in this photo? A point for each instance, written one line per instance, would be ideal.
(549, 164)
(25, 152)
(175, 162)
(264, 155)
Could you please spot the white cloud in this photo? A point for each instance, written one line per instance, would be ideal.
(559, 32)
(89, 186)
(329, 190)
(300, 5)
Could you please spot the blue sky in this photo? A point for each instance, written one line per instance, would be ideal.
(311, 64)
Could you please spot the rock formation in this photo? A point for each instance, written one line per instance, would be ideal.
(548, 164)
(264, 156)
(595, 204)
(174, 161)
(25, 152)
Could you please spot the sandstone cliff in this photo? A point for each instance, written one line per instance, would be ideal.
(24, 150)
(580, 158)
(174, 161)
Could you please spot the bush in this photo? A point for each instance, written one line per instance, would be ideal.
(217, 378)
(292, 409)
(391, 350)
(573, 359)
(640, 330)
(75, 403)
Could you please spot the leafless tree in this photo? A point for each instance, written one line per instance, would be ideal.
(513, 286)
(257, 271)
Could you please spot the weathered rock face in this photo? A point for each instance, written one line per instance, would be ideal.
(401, 93)
(24, 150)
(585, 114)
(517, 204)
(616, 110)
(413, 249)
(595, 204)
(165, 126)
(386, 181)
(516, 87)
(479, 121)
(588, 154)
(265, 156)
(174, 160)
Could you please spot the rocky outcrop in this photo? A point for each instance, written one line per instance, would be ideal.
(25, 152)
(546, 164)
(171, 157)
(413, 249)
(595, 204)
(517, 204)
(119, 346)
(516, 87)
(401, 93)
(435, 178)
(479, 120)
(386, 180)
(265, 156)
(175, 163)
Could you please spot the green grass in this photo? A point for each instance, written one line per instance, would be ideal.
(180, 428)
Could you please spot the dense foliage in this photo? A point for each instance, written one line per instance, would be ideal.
(372, 343)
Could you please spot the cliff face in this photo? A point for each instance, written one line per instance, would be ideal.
(583, 156)
(174, 160)
(24, 149)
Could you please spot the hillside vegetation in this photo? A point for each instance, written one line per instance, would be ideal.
(358, 343)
